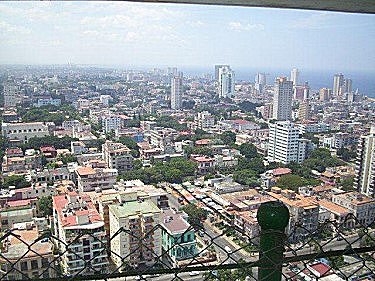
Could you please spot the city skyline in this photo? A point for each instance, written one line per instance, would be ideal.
(184, 35)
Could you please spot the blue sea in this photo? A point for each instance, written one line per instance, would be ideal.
(363, 81)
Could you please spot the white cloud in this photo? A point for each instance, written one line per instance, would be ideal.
(314, 21)
(13, 29)
(197, 23)
(239, 26)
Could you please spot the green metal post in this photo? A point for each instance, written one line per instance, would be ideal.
(272, 217)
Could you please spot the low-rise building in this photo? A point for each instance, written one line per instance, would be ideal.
(117, 156)
(23, 256)
(304, 213)
(361, 206)
(178, 237)
(22, 132)
(205, 163)
(91, 179)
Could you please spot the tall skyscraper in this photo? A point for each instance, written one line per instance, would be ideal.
(260, 82)
(217, 67)
(294, 75)
(282, 100)
(365, 165)
(226, 82)
(285, 144)
(338, 81)
(176, 92)
(346, 86)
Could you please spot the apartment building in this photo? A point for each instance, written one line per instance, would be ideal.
(14, 161)
(23, 258)
(303, 211)
(365, 165)
(81, 234)
(178, 237)
(22, 132)
(95, 179)
(163, 138)
(361, 206)
(285, 144)
(204, 120)
(282, 103)
(140, 244)
(117, 156)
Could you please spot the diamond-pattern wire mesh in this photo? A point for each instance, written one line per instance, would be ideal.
(346, 249)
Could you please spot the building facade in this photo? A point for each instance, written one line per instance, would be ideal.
(117, 156)
(81, 234)
(282, 101)
(365, 165)
(285, 144)
(176, 92)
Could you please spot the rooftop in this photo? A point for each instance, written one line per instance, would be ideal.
(132, 208)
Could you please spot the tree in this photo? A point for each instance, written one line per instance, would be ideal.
(348, 184)
(131, 144)
(195, 214)
(247, 177)
(228, 137)
(45, 206)
(15, 180)
(67, 158)
(293, 182)
(248, 150)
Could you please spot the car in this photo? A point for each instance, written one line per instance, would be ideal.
(194, 273)
(228, 250)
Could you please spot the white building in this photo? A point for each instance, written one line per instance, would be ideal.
(73, 215)
(294, 75)
(226, 82)
(285, 144)
(338, 81)
(111, 123)
(204, 120)
(282, 100)
(24, 131)
(365, 179)
(140, 244)
(176, 92)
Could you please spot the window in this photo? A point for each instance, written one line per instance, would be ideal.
(24, 265)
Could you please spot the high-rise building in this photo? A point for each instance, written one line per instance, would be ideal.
(304, 111)
(176, 92)
(346, 86)
(282, 101)
(338, 81)
(260, 82)
(285, 144)
(294, 75)
(74, 214)
(365, 179)
(217, 67)
(226, 82)
(324, 94)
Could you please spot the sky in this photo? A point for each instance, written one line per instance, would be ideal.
(144, 34)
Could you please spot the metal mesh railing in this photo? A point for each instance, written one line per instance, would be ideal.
(206, 251)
